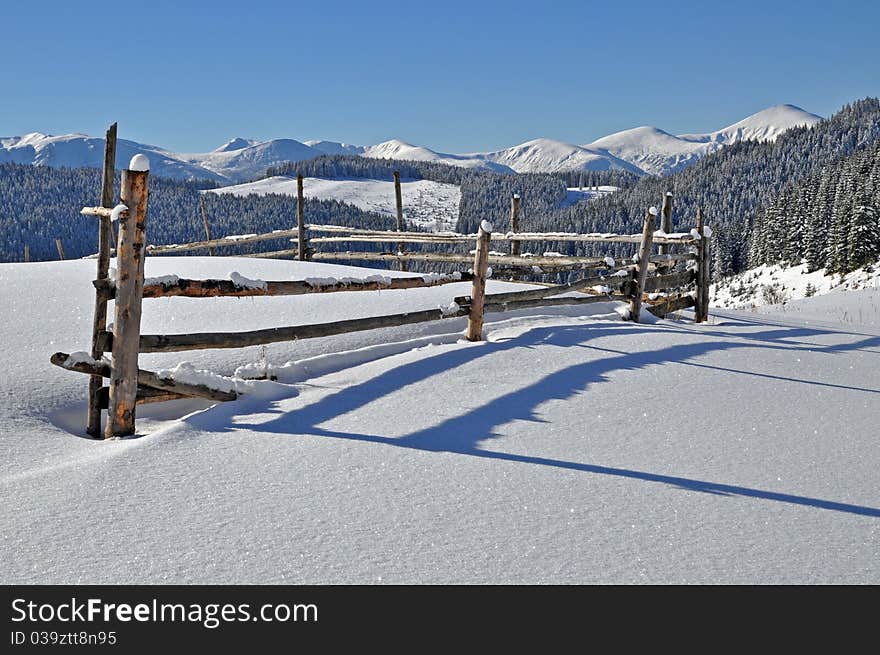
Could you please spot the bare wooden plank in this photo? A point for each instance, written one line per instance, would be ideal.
(478, 289)
(145, 395)
(660, 282)
(669, 305)
(145, 378)
(635, 306)
(99, 317)
(153, 343)
(129, 294)
(492, 306)
(612, 282)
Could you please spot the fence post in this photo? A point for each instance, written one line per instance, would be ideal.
(60, 249)
(129, 295)
(398, 199)
(205, 222)
(701, 295)
(27, 252)
(635, 304)
(705, 270)
(666, 222)
(302, 245)
(515, 246)
(99, 319)
(478, 290)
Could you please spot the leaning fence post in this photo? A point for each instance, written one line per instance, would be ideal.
(129, 295)
(398, 200)
(666, 222)
(99, 318)
(60, 249)
(635, 303)
(205, 222)
(701, 295)
(302, 246)
(478, 290)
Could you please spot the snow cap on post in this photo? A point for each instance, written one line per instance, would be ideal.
(139, 163)
(516, 195)
(669, 193)
(485, 225)
(652, 211)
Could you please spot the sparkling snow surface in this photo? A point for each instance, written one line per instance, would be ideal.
(568, 448)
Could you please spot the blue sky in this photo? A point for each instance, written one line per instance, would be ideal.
(454, 76)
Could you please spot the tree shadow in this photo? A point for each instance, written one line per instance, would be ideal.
(465, 434)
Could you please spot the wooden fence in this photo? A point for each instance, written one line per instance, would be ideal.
(130, 385)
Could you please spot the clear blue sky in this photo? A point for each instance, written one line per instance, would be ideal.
(454, 76)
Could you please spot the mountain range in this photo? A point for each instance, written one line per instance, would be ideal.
(642, 150)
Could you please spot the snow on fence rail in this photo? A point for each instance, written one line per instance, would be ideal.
(130, 385)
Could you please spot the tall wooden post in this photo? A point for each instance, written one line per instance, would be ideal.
(205, 222)
(60, 249)
(478, 290)
(302, 245)
(635, 304)
(99, 318)
(705, 270)
(666, 222)
(699, 299)
(515, 246)
(129, 295)
(398, 199)
(27, 252)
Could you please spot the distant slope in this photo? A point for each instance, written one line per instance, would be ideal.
(660, 153)
(397, 149)
(426, 204)
(549, 156)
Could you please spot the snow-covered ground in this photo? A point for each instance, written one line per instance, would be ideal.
(426, 204)
(570, 447)
(777, 285)
(576, 194)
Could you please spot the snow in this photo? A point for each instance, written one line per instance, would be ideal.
(139, 162)
(652, 211)
(577, 194)
(81, 357)
(450, 308)
(243, 282)
(116, 212)
(609, 261)
(486, 226)
(427, 204)
(187, 373)
(164, 280)
(408, 455)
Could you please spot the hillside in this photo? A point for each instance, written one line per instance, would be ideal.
(408, 456)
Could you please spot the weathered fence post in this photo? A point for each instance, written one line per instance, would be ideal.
(205, 222)
(60, 249)
(129, 295)
(478, 290)
(27, 252)
(302, 246)
(635, 304)
(705, 268)
(702, 294)
(99, 319)
(515, 246)
(666, 222)
(398, 199)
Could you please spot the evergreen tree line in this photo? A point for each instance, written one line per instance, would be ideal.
(829, 220)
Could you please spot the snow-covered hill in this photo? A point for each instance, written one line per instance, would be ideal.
(660, 153)
(407, 455)
(640, 150)
(397, 149)
(426, 204)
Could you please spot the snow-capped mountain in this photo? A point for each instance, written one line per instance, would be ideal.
(660, 153)
(641, 150)
(397, 149)
(549, 156)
